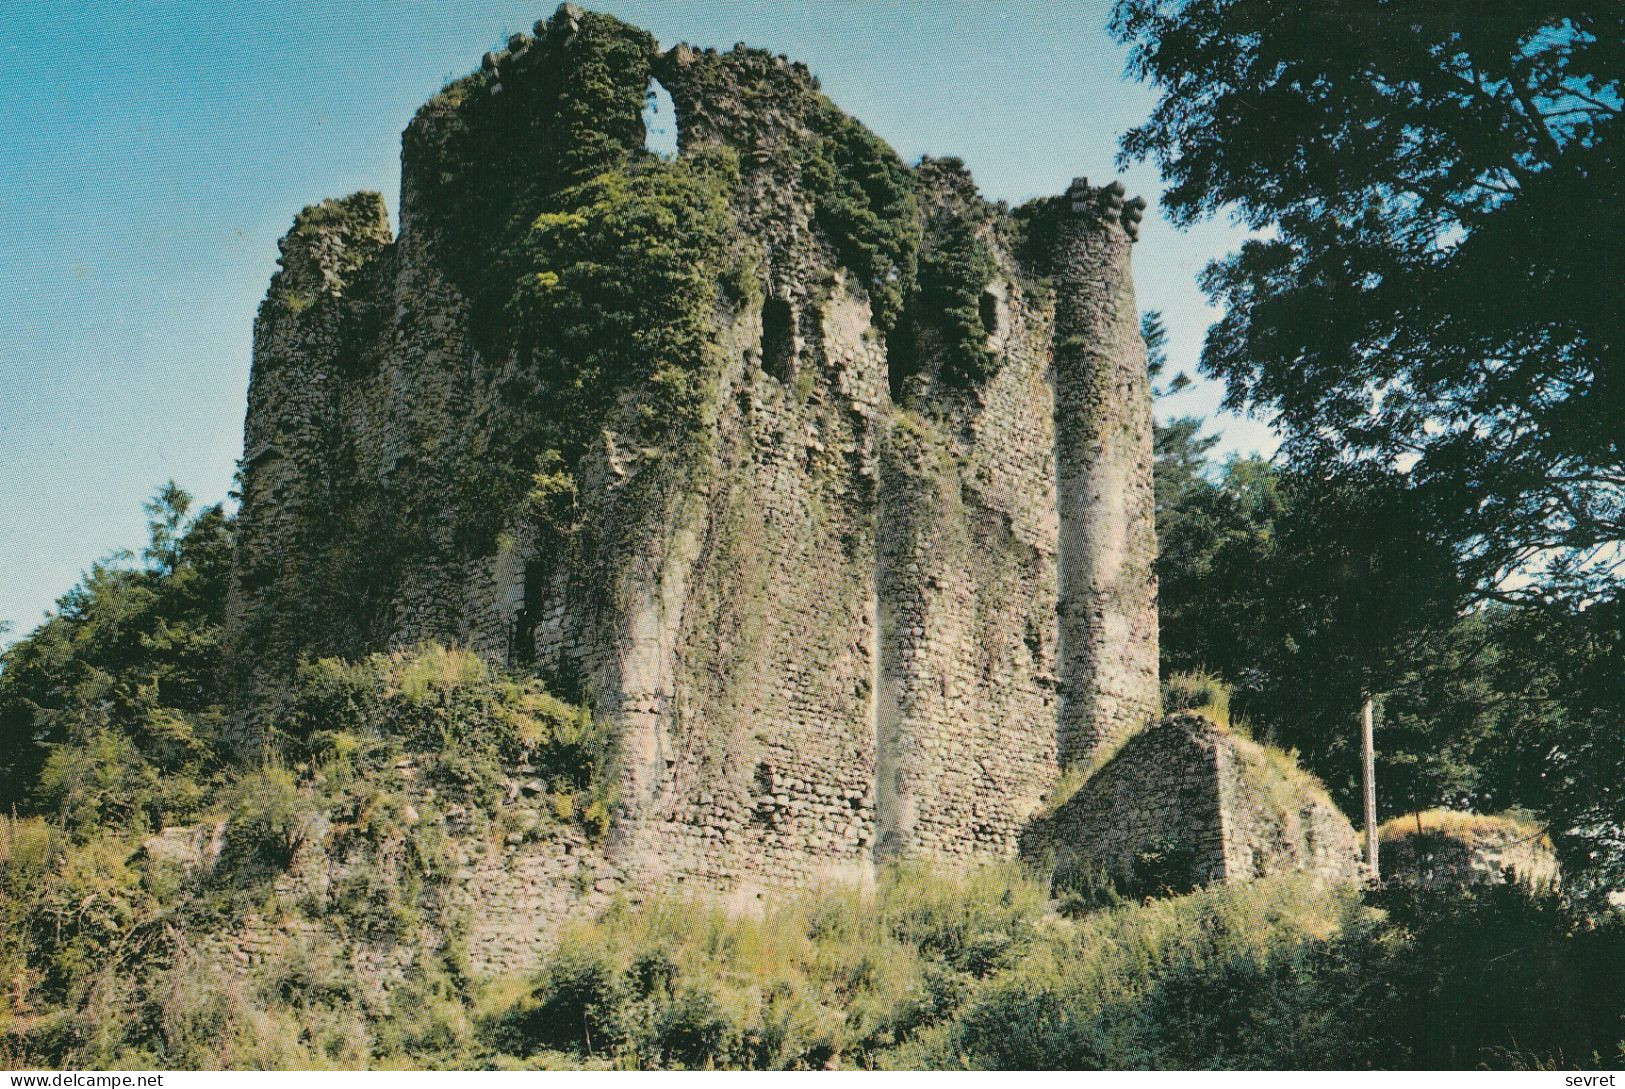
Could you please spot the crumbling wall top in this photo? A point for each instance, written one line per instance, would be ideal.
(328, 243)
(1107, 204)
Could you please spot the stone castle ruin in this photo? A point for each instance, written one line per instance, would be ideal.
(825, 479)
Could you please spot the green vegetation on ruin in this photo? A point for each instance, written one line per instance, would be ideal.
(396, 769)
(1199, 693)
(956, 266)
(864, 199)
(613, 269)
(1470, 828)
(927, 970)
(614, 298)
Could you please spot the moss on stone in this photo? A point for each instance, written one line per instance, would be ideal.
(864, 200)
(955, 267)
(612, 311)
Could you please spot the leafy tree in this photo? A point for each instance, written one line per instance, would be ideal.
(1443, 722)
(1443, 184)
(1560, 741)
(166, 513)
(110, 710)
(1300, 593)
(1357, 583)
(1438, 191)
(1213, 540)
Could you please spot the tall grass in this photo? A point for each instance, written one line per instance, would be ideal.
(110, 959)
(1458, 824)
(1200, 693)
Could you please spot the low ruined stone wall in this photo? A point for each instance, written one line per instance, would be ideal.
(496, 897)
(1198, 804)
(1276, 817)
(1490, 851)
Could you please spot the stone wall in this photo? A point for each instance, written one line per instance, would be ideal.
(865, 607)
(1481, 850)
(297, 441)
(505, 913)
(1196, 804)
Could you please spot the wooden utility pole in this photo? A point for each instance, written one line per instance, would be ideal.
(1368, 780)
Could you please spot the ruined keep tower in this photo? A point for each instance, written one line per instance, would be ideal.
(824, 478)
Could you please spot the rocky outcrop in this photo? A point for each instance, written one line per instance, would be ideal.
(191, 848)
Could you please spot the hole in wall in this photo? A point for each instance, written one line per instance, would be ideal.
(762, 780)
(778, 338)
(989, 307)
(902, 358)
(1033, 636)
(659, 121)
(530, 614)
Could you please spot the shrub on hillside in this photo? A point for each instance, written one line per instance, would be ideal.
(473, 724)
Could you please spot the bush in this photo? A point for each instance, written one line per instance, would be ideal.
(1199, 693)
(1080, 887)
(267, 816)
(468, 723)
(975, 924)
(1084, 999)
(579, 1005)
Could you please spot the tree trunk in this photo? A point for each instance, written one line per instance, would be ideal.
(1368, 780)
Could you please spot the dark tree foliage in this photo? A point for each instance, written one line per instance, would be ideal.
(1562, 739)
(110, 710)
(1213, 541)
(1302, 593)
(1437, 291)
(1442, 283)
(1444, 726)
(1358, 577)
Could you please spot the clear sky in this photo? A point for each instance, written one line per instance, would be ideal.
(151, 154)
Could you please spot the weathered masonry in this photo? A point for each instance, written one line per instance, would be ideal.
(1185, 803)
(828, 480)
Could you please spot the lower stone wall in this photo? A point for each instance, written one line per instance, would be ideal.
(1182, 804)
(1158, 796)
(1490, 852)
(1193, 803)
(492, 894)
(1277, 817)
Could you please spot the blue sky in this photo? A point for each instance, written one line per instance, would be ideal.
(153, 153)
